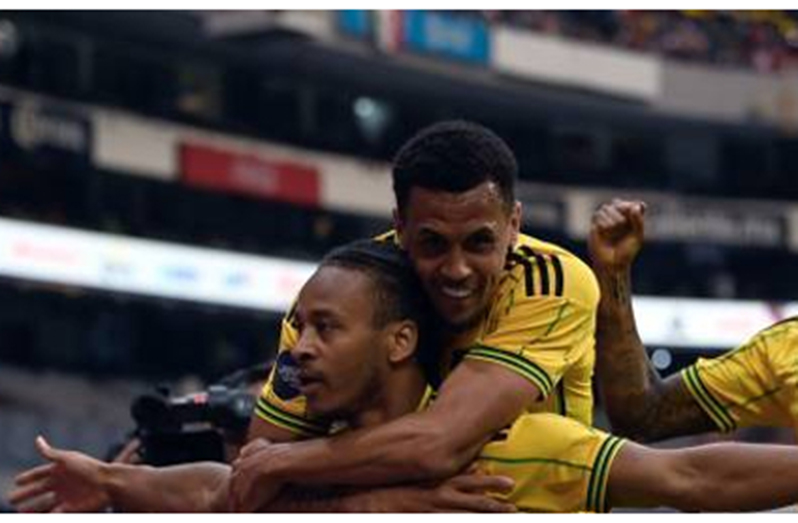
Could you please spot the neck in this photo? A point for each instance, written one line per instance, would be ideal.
(400, 393)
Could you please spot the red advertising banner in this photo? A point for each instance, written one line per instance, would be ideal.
(221, 170)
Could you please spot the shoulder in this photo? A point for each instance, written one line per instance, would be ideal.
(546, 269)
(775, 342)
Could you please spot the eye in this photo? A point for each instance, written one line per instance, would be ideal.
(325, 327)
(481, 243)
(430, 245)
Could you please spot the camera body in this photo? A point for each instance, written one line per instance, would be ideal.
(196, 427)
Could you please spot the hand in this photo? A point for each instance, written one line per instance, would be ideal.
(129, 453)
(616, 234)
(71, 482)
(464, 493)
(251, 488)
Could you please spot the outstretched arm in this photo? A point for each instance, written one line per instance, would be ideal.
(721, 477)
(75, 482)
(639, 403)
(477, 400)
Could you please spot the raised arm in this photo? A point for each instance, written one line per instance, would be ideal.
(639, 403)
(721, 477)
(476, 400)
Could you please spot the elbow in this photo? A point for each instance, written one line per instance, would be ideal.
(639, 419)
(688, 490)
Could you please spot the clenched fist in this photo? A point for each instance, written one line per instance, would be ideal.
(616, 234)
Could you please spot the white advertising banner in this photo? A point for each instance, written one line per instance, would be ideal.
(102, 261)
(60, 255)
(704, 323)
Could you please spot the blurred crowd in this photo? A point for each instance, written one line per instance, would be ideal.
(762, 40)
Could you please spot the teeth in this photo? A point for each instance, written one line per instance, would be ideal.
(455, 293)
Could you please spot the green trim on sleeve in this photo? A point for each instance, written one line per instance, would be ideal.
(516, 363)
(714, 409)
(597, 488)
(296, 424)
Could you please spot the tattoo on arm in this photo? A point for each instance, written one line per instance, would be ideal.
(639, 403)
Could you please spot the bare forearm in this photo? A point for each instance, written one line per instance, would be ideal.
(733, 476)
(200, 487)
(476, 400)
(397, 452)
(627, 375)
(639, 403)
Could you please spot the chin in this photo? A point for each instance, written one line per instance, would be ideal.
(463, 322)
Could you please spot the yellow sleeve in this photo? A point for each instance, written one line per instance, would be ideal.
(280, 402)
(557, 464)
(543, 319)
(751, 385)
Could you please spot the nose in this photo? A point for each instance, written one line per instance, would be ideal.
(305, 348)
(455, 267)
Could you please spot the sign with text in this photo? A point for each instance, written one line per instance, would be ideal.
(49, 129)
(68, 256)
(249, 174)
(458, 37)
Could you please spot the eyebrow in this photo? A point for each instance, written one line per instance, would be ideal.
(484, 230)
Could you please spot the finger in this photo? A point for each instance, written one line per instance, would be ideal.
(482, 483)
(128, 453)
(44, 503)
(34, 474)
(254, 447)
(21, 495)
(477, 503)
(616, 215)
(638, 222)
(45, 449)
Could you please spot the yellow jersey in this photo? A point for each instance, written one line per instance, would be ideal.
(557, 464)
(755, 384)
(540, 323)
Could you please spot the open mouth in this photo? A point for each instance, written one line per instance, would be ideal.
(309, 383)
(455, 293)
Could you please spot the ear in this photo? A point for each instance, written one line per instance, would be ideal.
(399, 227)
(515, 222)
(404, 342)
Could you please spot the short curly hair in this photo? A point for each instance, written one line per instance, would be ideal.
(454, 156)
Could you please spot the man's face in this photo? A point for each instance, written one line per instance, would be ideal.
(458, 243)
(340, 353)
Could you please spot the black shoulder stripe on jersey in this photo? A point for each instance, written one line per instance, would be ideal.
(544, 272)
(529, 276)
(543, 269)
(559, 280)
